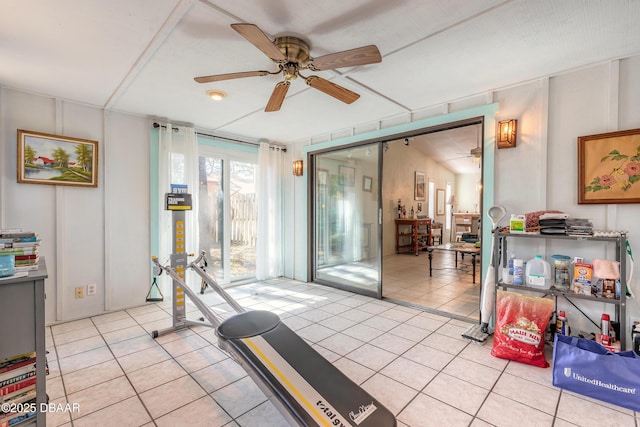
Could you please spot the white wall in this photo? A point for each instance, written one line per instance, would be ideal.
(89, 235)
(101, 235)
(467, 191)
(541, 171)
(398, 167)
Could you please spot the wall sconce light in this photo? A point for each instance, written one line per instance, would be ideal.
(297, 168)
(506, 135)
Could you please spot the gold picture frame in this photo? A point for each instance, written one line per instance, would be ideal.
(609, 168)
(420, 186)
(56, 160)
(347, 175)
(367, 183)
(440, 202)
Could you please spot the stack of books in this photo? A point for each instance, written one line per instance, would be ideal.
(23, 245)
(17, 389)
(579, 227)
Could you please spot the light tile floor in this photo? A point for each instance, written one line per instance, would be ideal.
(413, 361)
(450, 290)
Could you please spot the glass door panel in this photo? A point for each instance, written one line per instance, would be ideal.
(211, 213)
(244, 211)
(227, 217)
(345, 230)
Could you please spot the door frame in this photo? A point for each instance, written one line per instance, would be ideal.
(485, 114)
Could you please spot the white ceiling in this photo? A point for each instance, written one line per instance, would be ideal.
(141, 56)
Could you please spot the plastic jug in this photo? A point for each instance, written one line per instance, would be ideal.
(538, 273)
(517, 224)
(561, 277)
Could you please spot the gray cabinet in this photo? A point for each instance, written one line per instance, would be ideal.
(620, 243)
(22, 321)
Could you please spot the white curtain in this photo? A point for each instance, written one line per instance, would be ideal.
(352, 221)
(269, 253)
(177, 164)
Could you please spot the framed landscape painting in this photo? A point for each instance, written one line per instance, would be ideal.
(56, 160)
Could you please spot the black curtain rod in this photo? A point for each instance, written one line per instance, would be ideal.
(158, 125)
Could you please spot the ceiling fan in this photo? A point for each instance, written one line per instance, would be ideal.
(475, 154)
(291, 54)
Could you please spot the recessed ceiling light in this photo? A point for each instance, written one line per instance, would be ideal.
(216, 95)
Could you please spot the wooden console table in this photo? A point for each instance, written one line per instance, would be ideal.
(416, 231)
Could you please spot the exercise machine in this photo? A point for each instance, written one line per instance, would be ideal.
(306, 388)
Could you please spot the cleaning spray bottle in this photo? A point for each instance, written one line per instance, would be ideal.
(509, 276)
(562, 326)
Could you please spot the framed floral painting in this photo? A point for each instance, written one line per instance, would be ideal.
(609, 168)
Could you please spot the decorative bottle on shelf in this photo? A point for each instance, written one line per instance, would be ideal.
(412, 213)
(399, 209)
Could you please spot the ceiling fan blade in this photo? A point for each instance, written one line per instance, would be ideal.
(348, 58)
(260, 40)
(277, 96)
(338, 92)
(229, 76)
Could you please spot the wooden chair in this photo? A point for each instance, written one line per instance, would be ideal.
(436, 233)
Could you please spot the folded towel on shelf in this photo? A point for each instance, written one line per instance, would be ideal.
(606, 269)
(532, 218)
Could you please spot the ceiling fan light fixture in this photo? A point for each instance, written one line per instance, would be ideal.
(291, 54)
(216, 95)
(290, 71)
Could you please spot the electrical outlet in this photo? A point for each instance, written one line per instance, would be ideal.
(79, 292)
(91, 289)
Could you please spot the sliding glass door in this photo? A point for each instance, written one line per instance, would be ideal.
(227, 214)
(346, 206)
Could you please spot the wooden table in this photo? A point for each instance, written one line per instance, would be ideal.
(418, 231)
(458, 248)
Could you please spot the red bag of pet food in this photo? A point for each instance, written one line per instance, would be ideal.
(521, 322)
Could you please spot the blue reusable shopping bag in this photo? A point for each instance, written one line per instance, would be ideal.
(585, 367)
